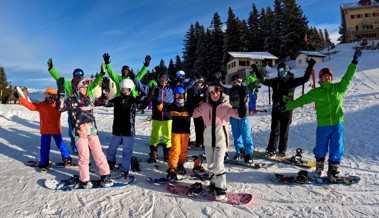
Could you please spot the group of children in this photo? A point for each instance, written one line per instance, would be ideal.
(171, 117)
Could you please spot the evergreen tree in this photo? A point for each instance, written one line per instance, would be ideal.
(215, 46)
(328, 42)
(4, 89)
(178, 63)
(294, 28)
(171, 69)
(201, 63)
(341, 31)
(189, 49)
(276, 33)
(254, 34)
(267, 21)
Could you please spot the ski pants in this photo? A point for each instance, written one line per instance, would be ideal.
(178, 152)
(329, 137)
(72, 137)
(87, 145)
(280, 123)
(199, 130)
(45, 147)
(159, 127)
(241, 135)
(215, 160)
(252, 102)
(127, 150)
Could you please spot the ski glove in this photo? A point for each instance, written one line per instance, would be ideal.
(60, 83)
(357, 56)
(147, 60)
(311, 63)
(107, 58)
(49, 63)
(102, 69)
(15, 94)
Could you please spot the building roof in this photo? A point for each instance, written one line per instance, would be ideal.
(355, 5)
(311, 54)
(253, 55)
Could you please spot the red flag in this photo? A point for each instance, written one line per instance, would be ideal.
(306, 38)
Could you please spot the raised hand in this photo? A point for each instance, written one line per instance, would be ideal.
(49, 63)
(107, 58)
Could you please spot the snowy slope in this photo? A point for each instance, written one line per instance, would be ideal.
(23, 193)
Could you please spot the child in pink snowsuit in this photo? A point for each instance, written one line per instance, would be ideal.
(216, 114)
(84, 130)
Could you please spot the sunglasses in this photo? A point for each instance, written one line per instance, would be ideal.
(281, 70)
(179, 96)
(214, 89)
(126, 90)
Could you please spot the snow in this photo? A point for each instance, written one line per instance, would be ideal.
(24, 195)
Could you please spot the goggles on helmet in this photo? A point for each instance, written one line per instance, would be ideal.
(84, 83)
(214, 89)
(179, 96)
(281, 70)
(48, 96)
(78, 74)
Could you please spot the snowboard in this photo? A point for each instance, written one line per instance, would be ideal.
(22, 93)
(33, 163)
(293, 179)
(66, 185)
(254, 165)
(294, 160)
(243, 199)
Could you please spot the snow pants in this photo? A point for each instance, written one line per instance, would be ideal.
(45, 147)
(329, 137)
(280, 124)
(159, 127)
(91, 144)
(215, 160)
(127, 150)
(241, 134)
(178, 152)
(252, 102)
(72, 137)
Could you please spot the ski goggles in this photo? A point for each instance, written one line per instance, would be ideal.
(84, 83)
(281, 70)
(78, 74)
(48, 96)
(198, 81)
(163, 80)
(126, 90)
(179, 96)
(216, 89)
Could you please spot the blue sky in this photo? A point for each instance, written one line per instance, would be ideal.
(75, 33)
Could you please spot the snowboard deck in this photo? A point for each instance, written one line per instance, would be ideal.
(293, 179)
(242, 199)
(33, 163)
(287, 160)
(254, 165)
(62, 185)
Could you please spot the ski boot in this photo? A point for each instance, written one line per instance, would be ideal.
(302, 176)
(106, 181)
(171, 174)
(270, 154)
(153, 154)
(112, 164)
(124, 174)
(195, 189)
(319, 167)
(134, 165)
(67, 162)
(248, 158)
(221, 194)
(181, 170)
(333, 171)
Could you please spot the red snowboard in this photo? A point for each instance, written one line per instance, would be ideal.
(242, 199)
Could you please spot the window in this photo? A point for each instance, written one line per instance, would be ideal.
(367, 15)
(356, 28)
(352, 16)
(244, 63)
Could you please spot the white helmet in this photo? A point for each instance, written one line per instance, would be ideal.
(126, 85)
(180, 74)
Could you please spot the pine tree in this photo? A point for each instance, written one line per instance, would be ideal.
(216, 46)
(178, 63)
(201, 63)
(4, 89)
(328, 42)
(254, 39)
(189, 49)
(171, 69)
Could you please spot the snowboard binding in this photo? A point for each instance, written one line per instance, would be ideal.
(195, 189)
(298, 157)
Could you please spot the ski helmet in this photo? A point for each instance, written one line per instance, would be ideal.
(180, 74)
(325, 71)
(50, 91)
(179, 90)
(282, 67)
(78, 73)
(126, 85)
